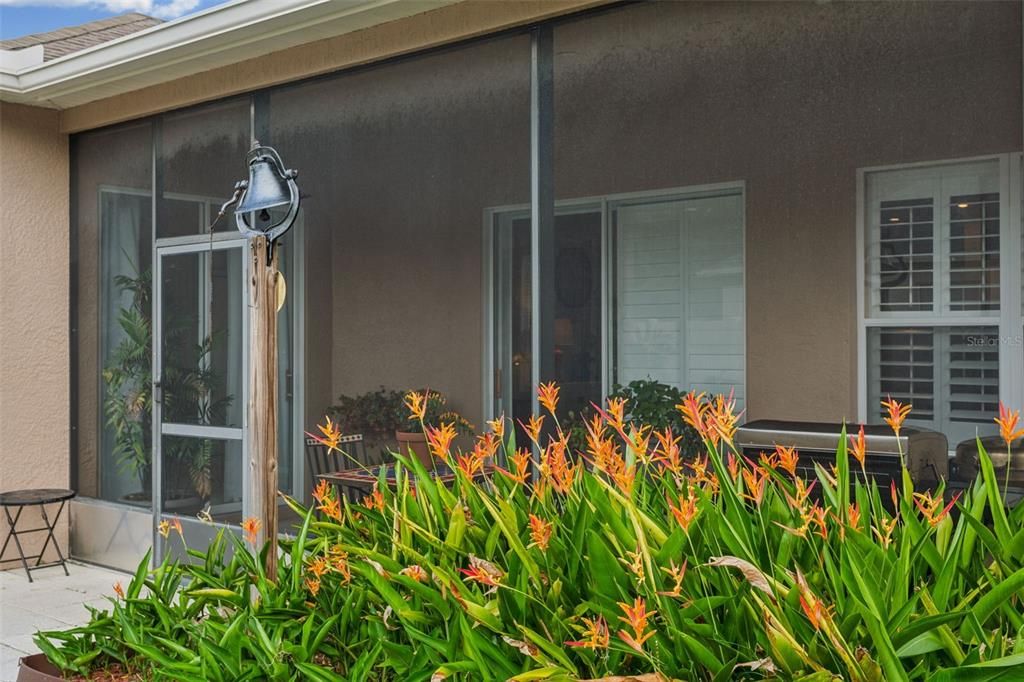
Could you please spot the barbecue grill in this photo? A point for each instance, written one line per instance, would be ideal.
(967, 465)
(926, 452)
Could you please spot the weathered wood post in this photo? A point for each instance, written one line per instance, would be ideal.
(263, 395)
(269, 188)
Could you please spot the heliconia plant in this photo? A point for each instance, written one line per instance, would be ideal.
(626, 558)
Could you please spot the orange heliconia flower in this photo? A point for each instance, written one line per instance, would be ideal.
(497, 427)
(332, 434)
(338, 559)
(484, 572)
(636, 617)
(931, 507)
(322, 491)
(595, 634)
(327, 502)
(375, 500)
(787, 459)
(164, 528)
(417, 404)
(533, 427)
(118, 589)
(468, 464)
(885, 534)
(801, 492)
(853, 514)
(677, 573)
(540, 532)
(521, 461)
(733, 465)
(755, 479)
(313, 585)
(176, 525)
(547, 395)
(319, 566)
(439, 440)
(635, 564)
(251, 528)
(818, 516)
(667, 451)
(684, 511)
(616, 415)
(557, 467)
(694, 409)
(722, 418)
(1007, 421)
(415, 572)
(858, 448)
(897, 414)
(815, 609)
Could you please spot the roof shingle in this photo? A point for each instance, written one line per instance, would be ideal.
(70, 39)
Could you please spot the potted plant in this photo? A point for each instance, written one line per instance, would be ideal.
(375, 414)
(188, 395)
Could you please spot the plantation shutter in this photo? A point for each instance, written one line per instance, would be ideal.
(680, 300)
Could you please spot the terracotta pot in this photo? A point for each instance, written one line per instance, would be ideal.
(417, 444)
(37, 668)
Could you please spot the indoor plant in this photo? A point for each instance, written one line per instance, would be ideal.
(188, 395)
(382, 414)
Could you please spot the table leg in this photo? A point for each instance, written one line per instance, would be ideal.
(12, 533)
(49, 535)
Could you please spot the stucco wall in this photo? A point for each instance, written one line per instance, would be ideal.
(33, 306)
(791, 98)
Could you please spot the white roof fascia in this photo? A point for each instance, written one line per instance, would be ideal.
(221, 35)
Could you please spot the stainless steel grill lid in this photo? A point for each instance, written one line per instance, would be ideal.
(926, 452)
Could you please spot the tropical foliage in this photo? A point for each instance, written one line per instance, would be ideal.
(188, 388)
(623, 558)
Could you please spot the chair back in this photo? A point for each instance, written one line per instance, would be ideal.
(321, 459)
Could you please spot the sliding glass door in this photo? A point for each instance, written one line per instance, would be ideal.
(648, 286)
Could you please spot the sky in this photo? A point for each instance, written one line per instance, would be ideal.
(21, 17)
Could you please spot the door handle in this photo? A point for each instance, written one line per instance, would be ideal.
(158, 392)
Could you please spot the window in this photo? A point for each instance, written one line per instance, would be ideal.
(679, 293)
(940, 261)
(666, 302)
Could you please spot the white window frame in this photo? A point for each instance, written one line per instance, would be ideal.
(1010, 320)
(604, 204)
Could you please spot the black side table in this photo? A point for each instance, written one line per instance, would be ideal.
(19, 499)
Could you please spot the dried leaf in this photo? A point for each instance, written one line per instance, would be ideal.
(751, 572)
(524, 647)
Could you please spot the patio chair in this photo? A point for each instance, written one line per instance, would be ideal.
(322, 460)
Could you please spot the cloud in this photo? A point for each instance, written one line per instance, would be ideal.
(163, 9)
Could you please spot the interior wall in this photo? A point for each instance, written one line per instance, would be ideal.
(34, 369)
(790, 98)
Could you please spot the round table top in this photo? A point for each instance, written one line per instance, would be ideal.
(21, 498)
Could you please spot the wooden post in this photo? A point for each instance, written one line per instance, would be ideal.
(263, 396)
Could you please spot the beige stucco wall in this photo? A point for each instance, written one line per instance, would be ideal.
(790, 98)
(33, 306)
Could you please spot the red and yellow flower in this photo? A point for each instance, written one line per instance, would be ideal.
(595, 634)
(897, 414)
(1007, 421)
(547, 395)
(636, 617)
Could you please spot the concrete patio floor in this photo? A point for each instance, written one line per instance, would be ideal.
(54, 601)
